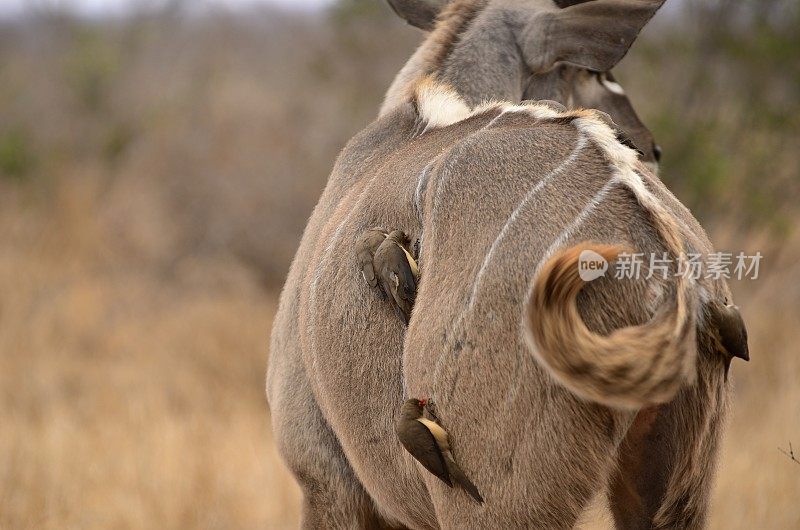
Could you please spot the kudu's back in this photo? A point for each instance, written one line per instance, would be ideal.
(491, 197)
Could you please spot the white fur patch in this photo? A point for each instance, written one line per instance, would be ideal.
(612, 86)
(439, 105)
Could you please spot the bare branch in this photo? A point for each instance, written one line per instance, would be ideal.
(790, 454)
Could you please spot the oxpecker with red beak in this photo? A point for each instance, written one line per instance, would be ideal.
(428, 442)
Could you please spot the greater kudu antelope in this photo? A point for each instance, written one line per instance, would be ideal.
(547, 403)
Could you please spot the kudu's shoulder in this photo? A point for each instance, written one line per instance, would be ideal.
(497, 131)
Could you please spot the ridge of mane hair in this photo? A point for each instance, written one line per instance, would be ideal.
(439, 105)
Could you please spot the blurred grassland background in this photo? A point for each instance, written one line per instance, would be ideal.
(157, 170)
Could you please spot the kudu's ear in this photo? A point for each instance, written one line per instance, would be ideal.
(419, 13)
(593, 35)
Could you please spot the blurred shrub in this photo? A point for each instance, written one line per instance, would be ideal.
(90, 66)
(118, 140)
(346, 12)
(16, 155)
(721, 97)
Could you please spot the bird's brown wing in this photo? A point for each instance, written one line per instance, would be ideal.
(419, 441)
(404, 291)
(397, 277)
(366, 246)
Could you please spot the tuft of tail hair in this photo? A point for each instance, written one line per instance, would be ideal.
(634, 366)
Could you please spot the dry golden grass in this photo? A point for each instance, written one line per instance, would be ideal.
(758, 486)
(130, 399)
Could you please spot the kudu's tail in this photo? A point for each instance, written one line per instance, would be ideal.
(633, 366)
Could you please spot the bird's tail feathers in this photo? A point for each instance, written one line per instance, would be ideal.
(458, 477)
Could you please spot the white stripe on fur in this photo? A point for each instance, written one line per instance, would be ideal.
(577, 222)
(422, 183)
(579, 146)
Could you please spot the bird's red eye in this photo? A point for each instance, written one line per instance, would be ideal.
(422, 402)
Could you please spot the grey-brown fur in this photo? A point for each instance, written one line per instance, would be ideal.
(341, 362)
